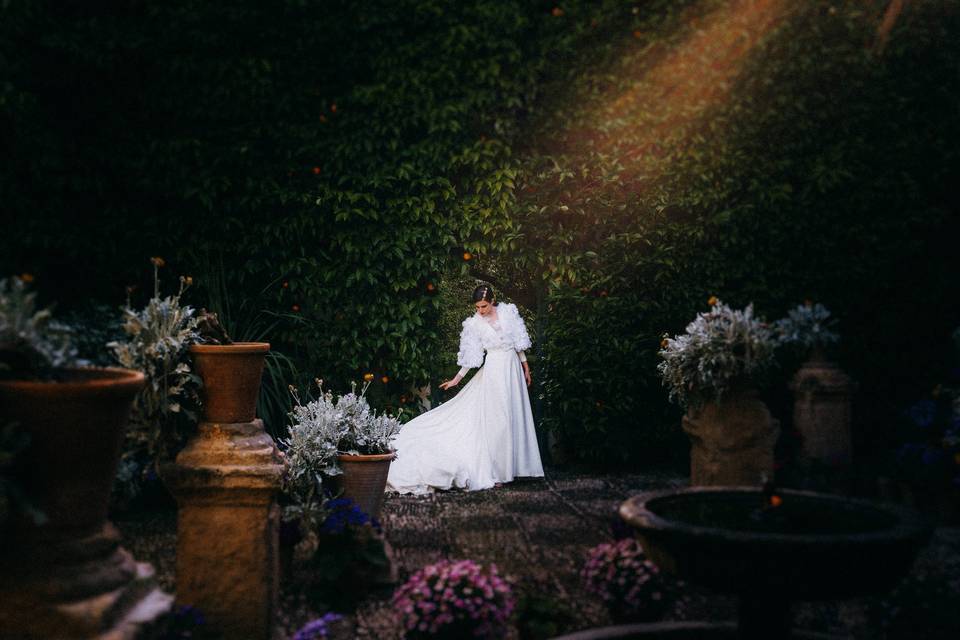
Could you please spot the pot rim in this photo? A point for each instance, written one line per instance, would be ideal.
(104, 378)
(237, 348)
(367, 457)
(909, 525)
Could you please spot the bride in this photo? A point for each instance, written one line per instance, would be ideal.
(485, 434)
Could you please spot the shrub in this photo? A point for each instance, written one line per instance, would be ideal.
(807, 326)
(157, 339)
(32, 344)
(722, 349)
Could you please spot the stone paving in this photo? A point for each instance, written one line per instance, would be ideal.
(538, 532)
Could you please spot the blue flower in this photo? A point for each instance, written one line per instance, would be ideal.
(922, 413)
(931, 456)
(317, 629)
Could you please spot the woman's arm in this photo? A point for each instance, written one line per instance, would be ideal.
(526, 367)
(470, 354)
(456, 379)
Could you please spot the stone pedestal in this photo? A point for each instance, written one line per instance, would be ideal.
(56, 585)
(732, 441)
(226, 482)
(822, 411)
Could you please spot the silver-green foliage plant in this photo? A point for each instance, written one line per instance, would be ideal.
(721, 349)
(328, 425)
(311, 454)
(32, 344)
(320, 430)
(807, 325)
(313, 437)
(365, 431)
(158, 337)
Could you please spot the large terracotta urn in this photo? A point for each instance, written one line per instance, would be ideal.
(231, 379)
(69, 568)
(732, 440)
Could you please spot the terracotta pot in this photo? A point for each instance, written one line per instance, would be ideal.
(69, 574)
(231, 379)
(822, 400)
(732, 441)
(76, 432)
(364, 479)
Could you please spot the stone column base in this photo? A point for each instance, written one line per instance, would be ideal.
(89, 588)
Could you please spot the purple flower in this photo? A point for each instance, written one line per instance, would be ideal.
(624, 579)
(317, 629)
(461, 595)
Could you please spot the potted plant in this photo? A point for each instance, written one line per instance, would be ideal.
(231, 372)
(713, 370)
(74, 418)
(821, 391)
(454, 599)
(809, 328)
(344, 437)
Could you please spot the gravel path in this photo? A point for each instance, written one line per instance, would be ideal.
(538, 531)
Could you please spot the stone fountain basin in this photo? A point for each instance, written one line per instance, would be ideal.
(812, 546)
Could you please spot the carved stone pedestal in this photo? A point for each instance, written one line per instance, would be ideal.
(821, 411)
(226, 482)
(56, 586)
(732, 441)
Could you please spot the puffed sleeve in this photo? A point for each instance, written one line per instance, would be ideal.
(471, 348)
(521, 339)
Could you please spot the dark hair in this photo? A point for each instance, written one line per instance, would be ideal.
(483, 292)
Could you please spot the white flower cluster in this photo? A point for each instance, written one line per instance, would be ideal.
(720, 349)
(32, 342)
(808, 325)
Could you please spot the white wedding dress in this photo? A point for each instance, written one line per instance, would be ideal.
(485, 434)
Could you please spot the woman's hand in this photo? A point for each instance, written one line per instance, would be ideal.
(449, 384)
(526, 374)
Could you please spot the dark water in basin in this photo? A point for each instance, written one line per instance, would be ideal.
(752, 513)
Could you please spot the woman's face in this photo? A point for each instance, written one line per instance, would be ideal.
(483, 307)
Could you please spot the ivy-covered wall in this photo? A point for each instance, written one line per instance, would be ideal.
(609, 164)
(815, 165)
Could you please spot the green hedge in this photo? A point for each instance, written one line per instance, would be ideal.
(824, 174)
(339, 155)
(329, 163)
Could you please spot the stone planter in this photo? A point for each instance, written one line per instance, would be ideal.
(731, 441)
(231, 379)
(70, 570)
(364, 480)
(822, 410)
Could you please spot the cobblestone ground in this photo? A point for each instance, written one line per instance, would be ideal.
(538, 531)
